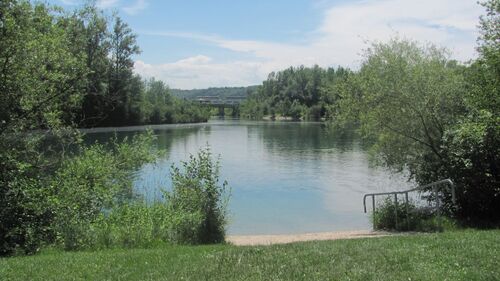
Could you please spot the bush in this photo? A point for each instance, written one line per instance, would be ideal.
(95, 180)
(131, 225)
(472, 153)
(194, 212)
(94, 206)
(197, 202)
(409, 217)
(296, 110)
(128, 225)
(316, 111)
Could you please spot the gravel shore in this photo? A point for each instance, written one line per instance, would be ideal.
(248, 240)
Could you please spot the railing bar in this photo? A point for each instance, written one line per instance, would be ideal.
(373, 212)
(435, 190)
(415, 189)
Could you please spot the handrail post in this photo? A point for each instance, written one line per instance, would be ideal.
(396, 208)
(407, 213)
(438, 207)
(373, 212)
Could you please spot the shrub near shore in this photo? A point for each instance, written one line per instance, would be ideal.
(193, 212)
(410, 217)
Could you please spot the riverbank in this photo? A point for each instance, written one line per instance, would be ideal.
(287, 118)
(253, 240)
(456, 255)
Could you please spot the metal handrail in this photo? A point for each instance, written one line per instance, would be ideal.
(434, 186)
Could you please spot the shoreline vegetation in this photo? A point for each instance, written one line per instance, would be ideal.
(288, 118)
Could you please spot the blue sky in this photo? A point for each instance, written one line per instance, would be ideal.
(207, 43)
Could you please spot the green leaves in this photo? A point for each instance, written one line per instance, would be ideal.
(40, 75)
(403, 97)
(299, 93)
(86, 184)
(198, 202)
(430, 116)
(59, 70)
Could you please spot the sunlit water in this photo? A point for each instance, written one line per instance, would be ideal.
(286, 177)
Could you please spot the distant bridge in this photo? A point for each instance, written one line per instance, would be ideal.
(222, 103)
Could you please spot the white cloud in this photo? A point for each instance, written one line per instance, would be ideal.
(138, 6)
(102, 4)
(68, 2)
(132, 9)
(338, 40)
(449, 23)
(105, 4)
(199, 71)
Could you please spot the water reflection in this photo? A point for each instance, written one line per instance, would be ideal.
(286, 177)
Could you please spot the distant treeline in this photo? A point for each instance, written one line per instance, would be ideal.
(297, 92)
(223, 92)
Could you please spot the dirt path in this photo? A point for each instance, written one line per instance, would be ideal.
(247, 240)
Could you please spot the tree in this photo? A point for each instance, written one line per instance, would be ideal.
(410, 94)
(472, 146)
(304, 88)
(433, 117)
(489, 39)
(40, 78)
(41, 86)
(123, 47)
(88, 29)
(405, 99)
(57, 71)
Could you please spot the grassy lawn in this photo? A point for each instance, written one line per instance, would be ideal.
(460, 255)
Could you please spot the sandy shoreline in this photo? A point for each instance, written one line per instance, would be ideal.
(247, 240)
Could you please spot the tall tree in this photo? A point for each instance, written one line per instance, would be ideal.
(123, 47)
(89, 32)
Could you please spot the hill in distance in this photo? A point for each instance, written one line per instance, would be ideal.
(222, 92)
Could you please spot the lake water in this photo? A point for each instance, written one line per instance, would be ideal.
(286, 177)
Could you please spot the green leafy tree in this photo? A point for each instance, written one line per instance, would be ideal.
(404, 99)
(89, 33)
(472, 147)
(59, 70)
(123, 47)
(299, 93)
(431, 116)
(489, 25)
(409, 96)
(41, 86)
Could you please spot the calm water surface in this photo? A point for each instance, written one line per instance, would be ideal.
(286, 177)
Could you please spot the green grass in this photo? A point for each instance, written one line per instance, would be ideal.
(458, 255)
